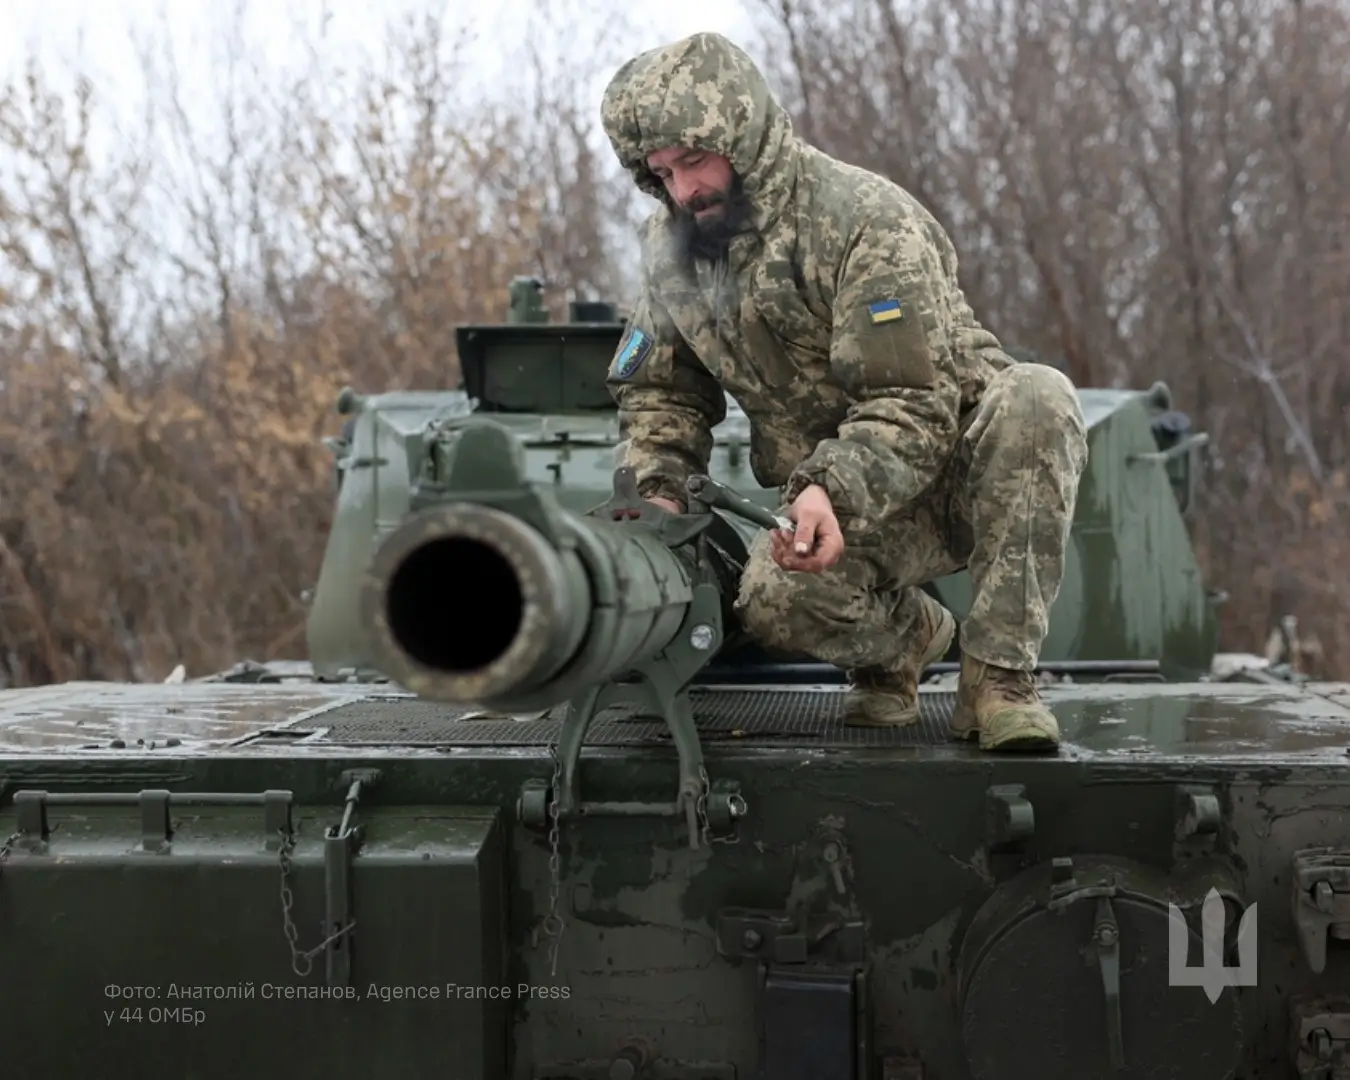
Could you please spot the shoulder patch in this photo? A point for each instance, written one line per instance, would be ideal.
(633, 350)
(884, 311)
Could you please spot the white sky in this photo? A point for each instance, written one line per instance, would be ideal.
(96, 39)
(91, 36)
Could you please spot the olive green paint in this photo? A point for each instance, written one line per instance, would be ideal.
(450, 886)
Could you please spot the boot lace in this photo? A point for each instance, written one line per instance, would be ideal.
(1017, 686)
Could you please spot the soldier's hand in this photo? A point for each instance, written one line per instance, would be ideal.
(817, 543)
(667, 504)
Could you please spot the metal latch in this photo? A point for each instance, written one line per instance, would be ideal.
(764, 935)
(821, 918)
(1321, 901)
(340, 842)
(778, 937)
(1106, 938)
(1323, 1033)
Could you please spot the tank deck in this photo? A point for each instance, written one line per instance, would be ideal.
(1139, 721)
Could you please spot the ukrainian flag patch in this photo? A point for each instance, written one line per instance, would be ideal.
(633, 350)
(883, 311)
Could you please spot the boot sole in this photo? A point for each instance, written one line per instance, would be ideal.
(937, 648)
(1029, 742)
(1018, 744)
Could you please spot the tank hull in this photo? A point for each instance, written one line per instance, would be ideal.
(887, 904)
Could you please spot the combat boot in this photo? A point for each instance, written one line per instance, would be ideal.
(1003, 708)
(891, 698)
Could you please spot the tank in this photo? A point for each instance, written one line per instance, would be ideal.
(543, 815)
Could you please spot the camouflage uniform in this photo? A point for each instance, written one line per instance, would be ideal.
(838, 324)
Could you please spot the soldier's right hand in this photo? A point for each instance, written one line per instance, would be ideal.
(667, 504)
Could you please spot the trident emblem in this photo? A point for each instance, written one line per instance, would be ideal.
(1212, 975)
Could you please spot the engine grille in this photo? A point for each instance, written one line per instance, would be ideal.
(747, 717)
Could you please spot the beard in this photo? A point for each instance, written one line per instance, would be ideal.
(709, 238)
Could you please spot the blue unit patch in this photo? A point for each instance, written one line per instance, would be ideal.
(883, 311)
(633, 350)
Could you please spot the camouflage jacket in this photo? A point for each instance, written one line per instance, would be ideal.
(837, 322)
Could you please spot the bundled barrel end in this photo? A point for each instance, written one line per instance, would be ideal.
(466, 603)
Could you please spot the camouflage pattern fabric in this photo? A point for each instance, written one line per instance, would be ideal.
(1002, 508)
(837, 322)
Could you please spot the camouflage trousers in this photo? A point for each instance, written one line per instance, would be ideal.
(1002, 510)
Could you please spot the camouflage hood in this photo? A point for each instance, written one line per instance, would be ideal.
(706, 94)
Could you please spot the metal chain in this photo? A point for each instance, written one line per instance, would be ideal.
(288, 924)
(701, 806)
(302, 963)
(8, 845)
(553, 923)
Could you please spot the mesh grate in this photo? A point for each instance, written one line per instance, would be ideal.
(749, 717)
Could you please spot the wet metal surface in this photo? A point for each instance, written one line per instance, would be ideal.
(1148, 719)
(75, 716)
(1100, 721)
(1201, 720)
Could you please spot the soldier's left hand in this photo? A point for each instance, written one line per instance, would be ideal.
(817, 543)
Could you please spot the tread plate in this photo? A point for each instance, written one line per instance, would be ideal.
(748, 716)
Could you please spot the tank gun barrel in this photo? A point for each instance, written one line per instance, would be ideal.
(491, 594)
(498, 597)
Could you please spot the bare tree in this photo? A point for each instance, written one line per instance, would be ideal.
(1136, 190)
(182, 313)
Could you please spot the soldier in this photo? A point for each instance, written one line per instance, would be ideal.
(906, 444)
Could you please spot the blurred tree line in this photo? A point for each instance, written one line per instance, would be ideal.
(1138, 191)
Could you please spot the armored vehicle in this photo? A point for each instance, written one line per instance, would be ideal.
(536, 812)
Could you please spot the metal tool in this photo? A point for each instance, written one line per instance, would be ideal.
(718, 496)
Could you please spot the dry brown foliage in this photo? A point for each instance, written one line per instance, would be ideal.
(178, 317)
(1137, 190)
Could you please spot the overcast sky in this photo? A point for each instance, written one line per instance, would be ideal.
(93, 35)
(96, 39)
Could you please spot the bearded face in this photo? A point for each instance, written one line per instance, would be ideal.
(705, 226)
(709, 199)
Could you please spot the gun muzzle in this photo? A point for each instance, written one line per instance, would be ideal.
(471, 603)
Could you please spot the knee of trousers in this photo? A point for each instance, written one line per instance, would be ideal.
(1036, 401)
(776, 607)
